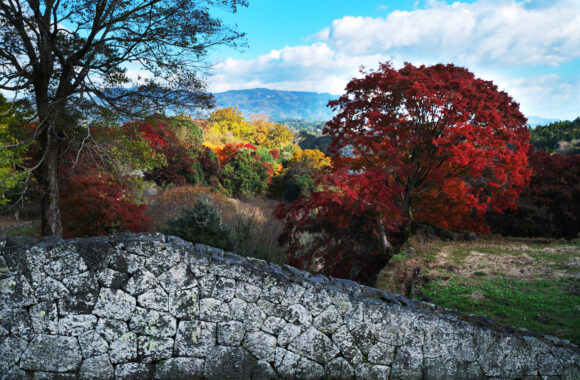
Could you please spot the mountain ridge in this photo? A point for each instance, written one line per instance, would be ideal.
(281, 105)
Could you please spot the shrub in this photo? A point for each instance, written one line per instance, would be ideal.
(550, 205)
(100, 204)
(202, 224)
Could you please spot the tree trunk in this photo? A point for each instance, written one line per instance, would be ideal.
(50, 194)
(386, 247)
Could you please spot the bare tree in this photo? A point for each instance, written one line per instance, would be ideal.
(63, 53)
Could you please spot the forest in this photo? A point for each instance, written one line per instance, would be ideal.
(88, 149)
(342, 204)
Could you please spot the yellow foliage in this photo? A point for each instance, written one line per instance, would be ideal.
(308, 160)
(229, 126)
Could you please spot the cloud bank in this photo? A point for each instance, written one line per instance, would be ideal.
(520, 45)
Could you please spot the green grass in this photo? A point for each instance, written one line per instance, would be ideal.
(548, 306)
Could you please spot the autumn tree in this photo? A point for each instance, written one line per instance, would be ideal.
(429, 143)
(68, 54)
(550, 205)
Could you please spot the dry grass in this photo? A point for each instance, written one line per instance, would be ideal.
(533, 283)
(251, 218)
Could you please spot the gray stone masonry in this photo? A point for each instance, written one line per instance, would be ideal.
(153, 306)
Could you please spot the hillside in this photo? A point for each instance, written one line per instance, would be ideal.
(557, 137)
(531, 283)
(277, 104)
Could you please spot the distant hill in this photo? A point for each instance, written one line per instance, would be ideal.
(559, 137)
(295, 106)
(276, 104)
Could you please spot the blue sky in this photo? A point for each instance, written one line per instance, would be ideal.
(529, 48)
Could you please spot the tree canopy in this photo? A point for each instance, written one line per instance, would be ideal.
(68, 54)
(429, 143)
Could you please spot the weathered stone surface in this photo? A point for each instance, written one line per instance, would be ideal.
(381, 353)
(238, 309)
(298, 315)
(184, 304)
(316, 300)
(152, 322)
(11, 348)
(177, 278)
(50, 289)
(15, 373)
(308, 369)
(195, 338)
(179, 369)
(286, 362)
(65, 261)
(83, 283)
(111, 329)
(110, 278)
(162, 260)
(314, 345)
(273, 325)
(408, 363)
(339, 368)
(78, 304)
(140, 282)
(16, 321)
(98, 367)
(151, 349)
(224, 289)
(254, 317)
(213, 310)
(44, 317)
(263, 371)
(52, 353)
(247, 292)
(228, 363)
(288, 334)
(16, 292)
(115, 303)
(145, 306)
(124, 348)
(92, 344)
(125, 263)
(132, 371)
(347, 345)
(230, 333)
(155, 298)
(261, 345)
(271, 309)
(328, 321)
(76, 324)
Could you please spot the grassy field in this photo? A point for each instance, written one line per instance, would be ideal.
(520, 282)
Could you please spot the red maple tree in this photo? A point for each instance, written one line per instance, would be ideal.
(429, 143)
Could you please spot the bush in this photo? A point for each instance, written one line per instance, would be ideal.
(100, 204)
(550, 205)
(203, 224)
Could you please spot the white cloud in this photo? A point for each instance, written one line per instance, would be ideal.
(495, 32)
(315, 67)
(499, 40)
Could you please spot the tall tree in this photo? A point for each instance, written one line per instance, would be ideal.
(429, 143)
(65, 53)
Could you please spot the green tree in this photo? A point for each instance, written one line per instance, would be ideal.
(65, 53)
(10, 159)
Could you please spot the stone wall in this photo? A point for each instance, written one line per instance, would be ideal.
(150, 306)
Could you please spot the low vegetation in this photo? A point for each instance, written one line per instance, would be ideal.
(529, 283)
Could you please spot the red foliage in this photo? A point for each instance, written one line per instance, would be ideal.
(550, 205)
(426, 143)
(179, 168)
(227, 152)
(275, 153)
(99, 204)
